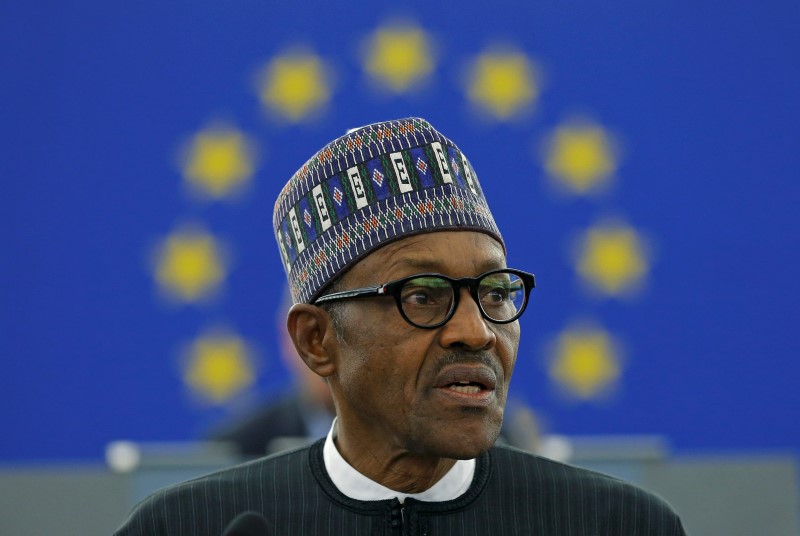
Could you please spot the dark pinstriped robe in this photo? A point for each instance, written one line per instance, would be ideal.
(512, 492)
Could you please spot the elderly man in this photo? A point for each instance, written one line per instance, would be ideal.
(405, 305)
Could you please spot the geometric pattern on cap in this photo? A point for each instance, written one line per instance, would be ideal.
(376, 184)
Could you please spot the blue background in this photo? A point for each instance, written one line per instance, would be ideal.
(96, 97)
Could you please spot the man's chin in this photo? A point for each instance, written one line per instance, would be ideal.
(461, 443)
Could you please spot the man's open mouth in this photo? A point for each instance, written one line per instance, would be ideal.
(467, 379)
(469, 388)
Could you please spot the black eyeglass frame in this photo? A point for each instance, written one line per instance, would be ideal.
(393, 289)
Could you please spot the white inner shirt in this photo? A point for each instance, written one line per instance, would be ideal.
(357, 486)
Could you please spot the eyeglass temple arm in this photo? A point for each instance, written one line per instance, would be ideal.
(355, 293)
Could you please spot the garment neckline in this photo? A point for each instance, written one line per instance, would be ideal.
(478, 484)
(356, 485)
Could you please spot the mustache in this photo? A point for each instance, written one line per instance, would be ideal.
(467, 358)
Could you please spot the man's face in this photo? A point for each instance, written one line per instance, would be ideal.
(405, 385)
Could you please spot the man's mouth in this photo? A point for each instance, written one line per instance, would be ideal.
(467, 388)
(467, 380)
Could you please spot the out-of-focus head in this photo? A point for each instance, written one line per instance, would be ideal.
(372, 186)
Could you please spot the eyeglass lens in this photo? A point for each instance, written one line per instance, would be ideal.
(427, 300)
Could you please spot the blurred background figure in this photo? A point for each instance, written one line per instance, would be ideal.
(298, 416)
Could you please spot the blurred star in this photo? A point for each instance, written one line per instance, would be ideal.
(295, 85)
(580, 156)
(585, 362)
(612, 258)
(190, 265)
(218, 161)
(399, 56)
(502, 83)
(219, 366)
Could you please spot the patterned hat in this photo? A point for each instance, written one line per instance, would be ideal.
(374, 185)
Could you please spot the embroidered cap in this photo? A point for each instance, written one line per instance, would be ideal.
(374, 185)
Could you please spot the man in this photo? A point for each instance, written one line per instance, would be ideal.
(404, 304)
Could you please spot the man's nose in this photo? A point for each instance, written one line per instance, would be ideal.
(467, 327)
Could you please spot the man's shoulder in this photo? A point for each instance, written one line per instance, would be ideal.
(518, 463)
(210, 501)
(550, 482)
(290, 463)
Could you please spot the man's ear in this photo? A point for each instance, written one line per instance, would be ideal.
(311, 330)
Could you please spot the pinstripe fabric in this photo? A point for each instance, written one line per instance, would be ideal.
(512, 493)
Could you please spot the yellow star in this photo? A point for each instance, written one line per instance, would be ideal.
(295, 85)
(219, 366)
(581, 156)
(398, 56)
(502, 82)
(585, 362)
(190, 265)
(218, 160)
(612, 258)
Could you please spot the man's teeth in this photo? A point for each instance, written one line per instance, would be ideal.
(466, 389)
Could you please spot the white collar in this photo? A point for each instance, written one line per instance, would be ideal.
(357, 486)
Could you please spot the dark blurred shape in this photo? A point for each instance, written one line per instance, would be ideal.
(291, 420)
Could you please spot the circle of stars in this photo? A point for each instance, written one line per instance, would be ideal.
(580, 157)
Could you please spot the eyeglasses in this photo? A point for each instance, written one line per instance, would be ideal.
(429, 300)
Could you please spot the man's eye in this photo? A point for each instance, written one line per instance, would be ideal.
(495, 295)
(418, 296)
